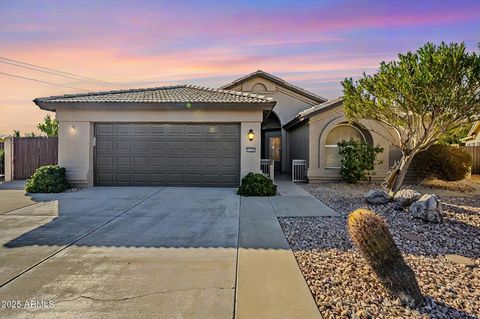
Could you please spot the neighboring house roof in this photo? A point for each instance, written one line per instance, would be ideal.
(472, 134)
(314, 110)
(165, 94)
(275, 79)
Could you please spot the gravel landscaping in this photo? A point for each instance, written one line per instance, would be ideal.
(344, 286)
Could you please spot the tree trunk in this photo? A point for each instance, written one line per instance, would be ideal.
(396, 177)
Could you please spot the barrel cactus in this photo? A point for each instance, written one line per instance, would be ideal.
(370, 234)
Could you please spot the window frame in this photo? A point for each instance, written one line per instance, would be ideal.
(336, 146)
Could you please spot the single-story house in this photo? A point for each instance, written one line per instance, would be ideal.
(473, 136)
(196, 136)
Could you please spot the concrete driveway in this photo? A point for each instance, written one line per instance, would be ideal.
(121, 253)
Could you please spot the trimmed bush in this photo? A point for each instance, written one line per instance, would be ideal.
(370, 234)
(443, 162)
(358, 159)
(48, 179)
(257, 185)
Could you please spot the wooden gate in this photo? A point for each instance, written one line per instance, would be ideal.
(29, 153)
(474, 152)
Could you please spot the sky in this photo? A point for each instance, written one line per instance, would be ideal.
(132, 44)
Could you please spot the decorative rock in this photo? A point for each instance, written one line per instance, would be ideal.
(376, 196)
(406, 197)
(413, 237)
(461, 260)
(428, 208)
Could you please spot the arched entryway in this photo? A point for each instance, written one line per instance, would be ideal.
(272, 139)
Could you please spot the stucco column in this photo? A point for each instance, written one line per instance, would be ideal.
(8, 153)
(285, 161)
(250, 151)
(75, 151)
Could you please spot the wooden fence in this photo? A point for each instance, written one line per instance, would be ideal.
(474, 152)
(29, 153)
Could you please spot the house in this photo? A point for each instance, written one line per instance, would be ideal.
(473, 137)
(195, 136)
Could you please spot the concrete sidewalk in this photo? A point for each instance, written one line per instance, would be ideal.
(296, 202)
(269, 282)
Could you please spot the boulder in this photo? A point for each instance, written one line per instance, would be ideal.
(406, 197)
(376, 196)
(427, 208)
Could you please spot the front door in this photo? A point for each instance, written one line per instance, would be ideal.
(275, 149)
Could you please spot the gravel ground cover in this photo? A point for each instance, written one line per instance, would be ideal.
(344, 286)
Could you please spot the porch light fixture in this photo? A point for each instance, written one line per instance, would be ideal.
(251, 135)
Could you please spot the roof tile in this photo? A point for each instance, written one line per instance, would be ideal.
(166, 94)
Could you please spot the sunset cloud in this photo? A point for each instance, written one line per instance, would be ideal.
(150, 43)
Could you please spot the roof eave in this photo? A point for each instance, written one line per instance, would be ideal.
(53, 106)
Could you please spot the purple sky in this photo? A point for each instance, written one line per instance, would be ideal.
(313, 44)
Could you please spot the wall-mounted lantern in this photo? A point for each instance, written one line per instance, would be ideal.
(251, 135)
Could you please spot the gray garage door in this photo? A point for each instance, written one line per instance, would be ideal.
(167, 154)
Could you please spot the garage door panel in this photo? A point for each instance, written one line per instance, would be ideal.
(176, 130)
(139, 161)
(175, 145)
(158, 129)
(104, 129)
(122, 146)
(195, 130)
(158, 146)
(122, 129)
(167, 154)
(141, 130)
(105, 161)
(140, 146)
(123, 178)
(122, 161)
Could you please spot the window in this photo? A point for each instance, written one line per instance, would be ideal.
(337, 134)
(275, 148)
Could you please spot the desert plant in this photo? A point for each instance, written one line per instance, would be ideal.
(421, 97)
(370, 234)
(358, 159)
(254, 184)
(443, 162)
(47, 179)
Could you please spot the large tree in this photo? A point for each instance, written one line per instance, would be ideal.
(420, 97)
(49, 126)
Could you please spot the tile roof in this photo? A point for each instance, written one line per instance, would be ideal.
(320, 107)
(305, 114)
(165, 94)
(273, 78)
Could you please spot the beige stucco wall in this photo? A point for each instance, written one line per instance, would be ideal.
(320, 125)
(288, 105)
(76, 134)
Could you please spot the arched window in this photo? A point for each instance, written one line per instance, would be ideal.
(341, 132)
(259, 87)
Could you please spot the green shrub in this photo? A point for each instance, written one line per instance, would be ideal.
(358, 159)
(47, 179)
(257, 185)
(443, 162)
